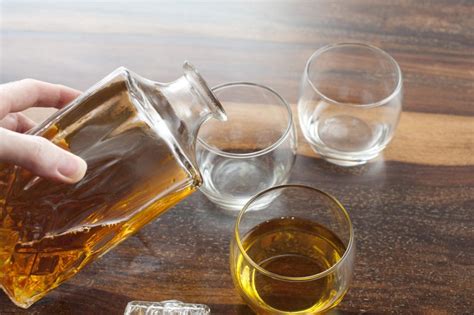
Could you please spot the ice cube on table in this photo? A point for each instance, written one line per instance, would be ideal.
(171, 307)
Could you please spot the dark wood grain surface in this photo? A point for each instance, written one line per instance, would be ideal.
(413, 208)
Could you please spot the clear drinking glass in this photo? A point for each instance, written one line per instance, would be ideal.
(252, 151)
(350, 102)
(296, 255)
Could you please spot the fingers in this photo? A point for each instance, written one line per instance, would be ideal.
(36, 154)
(41, 157)
(17, 122)
(20, 95)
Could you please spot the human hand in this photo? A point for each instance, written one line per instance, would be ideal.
(35, 153)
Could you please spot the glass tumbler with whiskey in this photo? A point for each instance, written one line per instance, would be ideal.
(137, 137)
(296, 255)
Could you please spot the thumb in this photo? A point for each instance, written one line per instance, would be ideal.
(41, 157)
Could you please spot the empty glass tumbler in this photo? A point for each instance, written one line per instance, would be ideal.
(252, 151)
(350, 102)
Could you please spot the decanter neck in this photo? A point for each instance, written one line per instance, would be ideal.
(193, 103)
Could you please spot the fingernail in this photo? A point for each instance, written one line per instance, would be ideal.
(73, 168)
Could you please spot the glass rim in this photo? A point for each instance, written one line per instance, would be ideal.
(273, 275)
(381, 102)
(269, 148)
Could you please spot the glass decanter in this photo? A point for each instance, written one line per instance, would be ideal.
(137, 137)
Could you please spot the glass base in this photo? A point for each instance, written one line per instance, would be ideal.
(236, 204)
(347, 159)
(345, 162)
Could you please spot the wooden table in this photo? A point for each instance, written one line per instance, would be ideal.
(413, 208)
